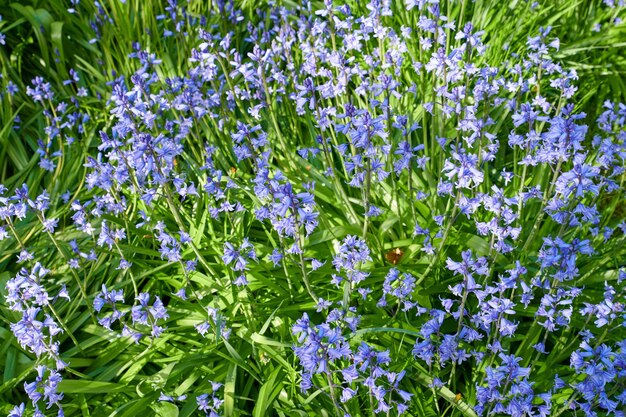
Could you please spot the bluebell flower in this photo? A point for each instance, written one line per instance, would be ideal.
(147, 315)
(399, 286)
(239, 258)
(216, 323)
(17, 411)
(211, 404)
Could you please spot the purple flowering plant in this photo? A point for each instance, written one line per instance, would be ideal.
(312, 208)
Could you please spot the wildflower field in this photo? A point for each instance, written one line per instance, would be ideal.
(312, 208)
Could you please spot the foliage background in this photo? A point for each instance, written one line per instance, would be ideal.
(124, 379)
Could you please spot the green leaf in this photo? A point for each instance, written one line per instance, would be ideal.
(268, 392)
(229, 390)
(165, 409)
(71, 386)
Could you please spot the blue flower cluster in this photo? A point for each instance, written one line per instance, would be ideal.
(142, 314)
(326, 356)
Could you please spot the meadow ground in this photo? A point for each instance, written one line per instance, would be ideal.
(312, 208)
